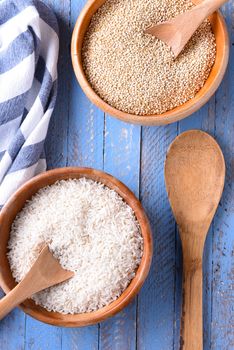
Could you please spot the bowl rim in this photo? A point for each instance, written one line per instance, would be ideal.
(168, 117)
(85, 319)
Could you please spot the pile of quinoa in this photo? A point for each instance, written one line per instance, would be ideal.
(137, 73)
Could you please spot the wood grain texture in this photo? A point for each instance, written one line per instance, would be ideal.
(194, 177)
(203, 120)
(156, 301)
(121, 159)
(222, 336)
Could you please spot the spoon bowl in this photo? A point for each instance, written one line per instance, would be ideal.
(177, 31)
(194, 173)
(194, 176)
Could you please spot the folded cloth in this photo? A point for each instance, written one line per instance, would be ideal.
(28, 86)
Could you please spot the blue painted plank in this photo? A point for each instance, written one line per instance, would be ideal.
(122, 152)
(56, 145)
(40, 336)
(119, 332)
(122, 158)
(12, 330)
(86, 122)
(156, 301)
(80, 338)
(223, 244)
(85, 148)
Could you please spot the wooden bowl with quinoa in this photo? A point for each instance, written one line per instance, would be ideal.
(27, 200)
(133, 76)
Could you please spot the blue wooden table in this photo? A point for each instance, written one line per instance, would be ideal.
(81, 135)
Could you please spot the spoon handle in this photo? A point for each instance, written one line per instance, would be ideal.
(191, 320)
(15, 297)
(209, 6)
(45, 272)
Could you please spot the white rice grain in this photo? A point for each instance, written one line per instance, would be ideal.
(92, 232)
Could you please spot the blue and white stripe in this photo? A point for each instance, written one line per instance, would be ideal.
(29, 47)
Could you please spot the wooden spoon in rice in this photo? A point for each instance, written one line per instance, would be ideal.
(45, 272)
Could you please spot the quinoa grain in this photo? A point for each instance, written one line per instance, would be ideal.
(135, 72)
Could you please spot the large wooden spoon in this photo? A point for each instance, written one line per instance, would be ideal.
(194, 175)
(45, 272)
(177, 32)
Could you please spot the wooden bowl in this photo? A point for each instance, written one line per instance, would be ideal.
(16, 203)
(191, 106)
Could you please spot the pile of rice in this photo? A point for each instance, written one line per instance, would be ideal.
(91, 231)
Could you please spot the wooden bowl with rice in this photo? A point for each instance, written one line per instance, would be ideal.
(203, 94)
(15, 205)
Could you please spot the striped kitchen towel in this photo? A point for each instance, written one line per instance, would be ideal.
(28, 86)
